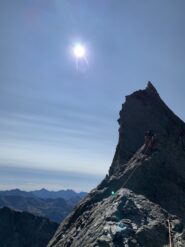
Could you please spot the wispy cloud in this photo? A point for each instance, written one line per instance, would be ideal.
(32, 140)
(29, 178)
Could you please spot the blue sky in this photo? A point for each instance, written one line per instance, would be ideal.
(56, 119)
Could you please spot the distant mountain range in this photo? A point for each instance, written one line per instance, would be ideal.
(18, 229)
(43, 193)
(53, 205)
(65, 194)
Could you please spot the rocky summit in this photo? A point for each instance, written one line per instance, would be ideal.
(141, 203)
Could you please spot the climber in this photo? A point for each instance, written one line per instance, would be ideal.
(149, 141)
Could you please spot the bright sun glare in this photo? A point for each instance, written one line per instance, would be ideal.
(79, 51)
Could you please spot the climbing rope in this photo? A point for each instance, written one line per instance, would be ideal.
(126, 181)
(169, 233)
(168, 221)
(131, 174)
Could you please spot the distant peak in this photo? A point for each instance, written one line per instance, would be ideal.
(43, 189)
(151, 89)
(15, 190)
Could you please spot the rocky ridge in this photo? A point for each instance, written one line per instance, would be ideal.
(143, 190)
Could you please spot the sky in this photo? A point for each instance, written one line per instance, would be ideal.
(58, 125)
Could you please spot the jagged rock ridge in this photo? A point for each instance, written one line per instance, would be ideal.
(136, 214)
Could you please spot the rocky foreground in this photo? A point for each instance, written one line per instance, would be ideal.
(142, 201)
(22, 229)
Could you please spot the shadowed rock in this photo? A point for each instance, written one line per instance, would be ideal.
(149, 186)
(22, 229)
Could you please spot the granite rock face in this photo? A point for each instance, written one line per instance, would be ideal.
(144, 188)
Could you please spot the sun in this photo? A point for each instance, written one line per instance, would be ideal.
(79, 51)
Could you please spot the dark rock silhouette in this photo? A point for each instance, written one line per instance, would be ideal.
(145, 187)
(24, 229)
